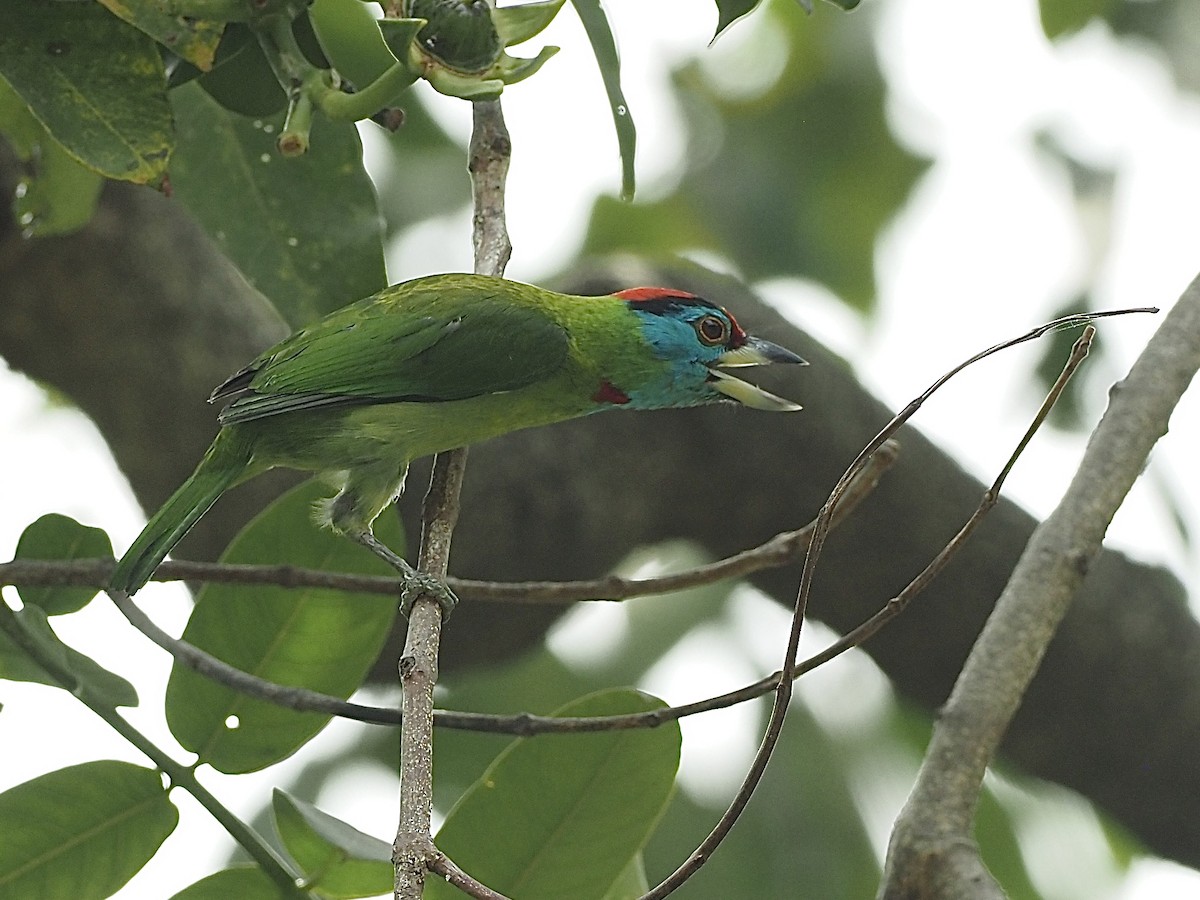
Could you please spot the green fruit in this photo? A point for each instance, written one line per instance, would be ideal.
(460, 33)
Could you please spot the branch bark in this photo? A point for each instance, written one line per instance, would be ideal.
(932, 855)
(414, 852)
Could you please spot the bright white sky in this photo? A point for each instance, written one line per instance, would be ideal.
(988, 243)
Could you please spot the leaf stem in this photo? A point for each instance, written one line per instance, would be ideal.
(379, 94)
(180, 775)
(604, 46)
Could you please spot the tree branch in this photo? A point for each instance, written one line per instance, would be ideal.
(448, 869)
(932, 854)
(413, 849)
(784, 548)
(91, 572)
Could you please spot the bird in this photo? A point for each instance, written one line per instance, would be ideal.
(441, 362)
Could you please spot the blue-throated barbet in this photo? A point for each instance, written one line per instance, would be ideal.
(442, 362)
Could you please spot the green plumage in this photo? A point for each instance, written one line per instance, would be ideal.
(221, 468)
(438, 363)
(444, 338)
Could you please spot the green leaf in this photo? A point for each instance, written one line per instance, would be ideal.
(802, 827)
(243, 882)
(516, 24)
(94, 82)
(1062, 17)
(798, 179)
(17, 665)
(56, 194)
(337, 860)
(241, 80)
(15, 662)
(563, 815)
(59, 537)
(321, 639)
(190, 38)
(17, 123)
(729, 11)
(537, 681)
(631, 883)
(996, 832)
(604, 45)
(81, 832)
(305, 231)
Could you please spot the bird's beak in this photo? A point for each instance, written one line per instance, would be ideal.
(754, 352)
(757, 352)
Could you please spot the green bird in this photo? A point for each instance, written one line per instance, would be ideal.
(442, 362)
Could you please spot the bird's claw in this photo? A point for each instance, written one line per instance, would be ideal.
(419, 585)
(415, 585)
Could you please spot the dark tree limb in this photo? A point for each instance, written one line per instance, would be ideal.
(137, 317)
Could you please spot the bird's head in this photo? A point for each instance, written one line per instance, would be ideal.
(698, 340)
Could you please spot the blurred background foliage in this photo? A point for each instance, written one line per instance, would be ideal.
(790, 167)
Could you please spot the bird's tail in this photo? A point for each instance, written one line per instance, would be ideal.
(223, 465)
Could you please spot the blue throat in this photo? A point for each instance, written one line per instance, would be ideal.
(684, 382)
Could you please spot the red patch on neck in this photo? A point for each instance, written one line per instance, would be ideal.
(652, 293)
(610, 393)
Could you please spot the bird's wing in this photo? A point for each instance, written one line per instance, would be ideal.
(394, 348)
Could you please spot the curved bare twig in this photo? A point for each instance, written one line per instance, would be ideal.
(783, 687)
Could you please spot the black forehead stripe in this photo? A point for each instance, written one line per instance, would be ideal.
(662, 306)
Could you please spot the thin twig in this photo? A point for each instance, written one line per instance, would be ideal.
(1060, 324)
(289, 696)
(780, 550)
(991, 497)
(523, 724)
(783, 688)
(783, 680)
(443, 865)
(931, 848)
(520, 724)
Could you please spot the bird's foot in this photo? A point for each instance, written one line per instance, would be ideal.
(416, 584)
(420, 584)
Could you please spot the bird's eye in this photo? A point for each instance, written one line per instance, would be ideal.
(712, 330)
